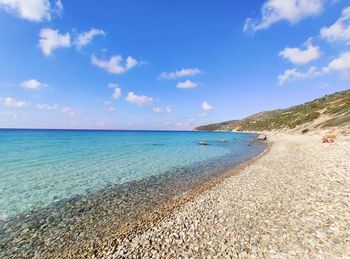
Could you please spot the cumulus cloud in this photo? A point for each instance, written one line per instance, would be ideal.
(301, 56)
(46, 106)
(295, 74)
(51, 39)
(292, 11)
(85, 38)
(32, 84)
(117, 91)
(11, 102)
(340, 64)
(139, 99)
(340, 30)
(32, 10)
(187, 84)
(180, 73)
(160, 110)
(115, 64)
(206, 106)
(70, 111)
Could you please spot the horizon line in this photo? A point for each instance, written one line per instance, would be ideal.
(94, 129)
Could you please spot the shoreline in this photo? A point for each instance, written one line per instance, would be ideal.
(290, 202)
(82, 226)
(151, 219)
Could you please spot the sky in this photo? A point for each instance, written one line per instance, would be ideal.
(169, 65)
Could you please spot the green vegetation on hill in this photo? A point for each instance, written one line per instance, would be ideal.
(329, 111)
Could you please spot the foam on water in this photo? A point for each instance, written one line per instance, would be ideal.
(39, 167)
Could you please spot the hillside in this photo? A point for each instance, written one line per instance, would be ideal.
(329, 112)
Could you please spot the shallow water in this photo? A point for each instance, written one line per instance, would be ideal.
(65, 191)
(40, 167)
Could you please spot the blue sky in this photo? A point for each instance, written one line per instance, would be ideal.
(166, 64)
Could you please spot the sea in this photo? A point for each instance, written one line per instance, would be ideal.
(41, 171)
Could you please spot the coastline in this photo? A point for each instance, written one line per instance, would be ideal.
(149, 219)
(290, 202)
(83, 226)
(154, 218)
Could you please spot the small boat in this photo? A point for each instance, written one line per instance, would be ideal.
(203, 143)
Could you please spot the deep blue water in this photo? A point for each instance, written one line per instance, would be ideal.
(39, 167)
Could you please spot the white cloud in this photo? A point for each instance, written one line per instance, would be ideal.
(295, 74)
(117, 92)
(46, 106)
(51, 39)
(115, 64)
(340, 30)
(70, 111)
(300, 56)
(206, 106)
(32, 10)
(85, 38)
(160, 110)
(187, 84)
(32, 84)
(292, 11)
(139, 99)
(180, 73)
(11, 102)
(340, 64)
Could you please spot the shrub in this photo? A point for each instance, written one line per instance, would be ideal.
(304, 131)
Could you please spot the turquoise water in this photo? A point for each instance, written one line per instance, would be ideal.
(40, 167)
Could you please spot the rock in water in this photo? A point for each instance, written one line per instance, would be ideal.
(262, 137)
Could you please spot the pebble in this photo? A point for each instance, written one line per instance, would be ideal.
(291, 203)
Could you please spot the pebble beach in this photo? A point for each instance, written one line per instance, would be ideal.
(292, 202)
(175, 129)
